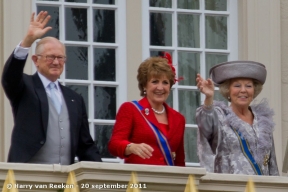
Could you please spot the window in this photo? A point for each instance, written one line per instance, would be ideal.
(96, 51)
(198, 34)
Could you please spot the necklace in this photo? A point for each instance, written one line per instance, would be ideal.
(159, 112)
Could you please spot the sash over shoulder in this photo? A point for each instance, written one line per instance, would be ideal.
(161, 139)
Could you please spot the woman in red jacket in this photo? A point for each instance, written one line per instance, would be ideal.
(148, 131)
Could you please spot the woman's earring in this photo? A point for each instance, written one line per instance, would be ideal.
(228, 98)
(144, 91)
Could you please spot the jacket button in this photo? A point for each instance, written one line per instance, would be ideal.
(41, 142)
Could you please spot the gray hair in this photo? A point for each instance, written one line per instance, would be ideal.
(43, 41)
(224, 88)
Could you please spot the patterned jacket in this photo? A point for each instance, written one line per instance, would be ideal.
(219, 149)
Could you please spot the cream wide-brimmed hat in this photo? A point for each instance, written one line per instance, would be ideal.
(238, 69)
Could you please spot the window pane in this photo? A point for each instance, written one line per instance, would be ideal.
(216, 5)
(102, 137)
(156, 53)
(77, 1)
(216, 32)
(188, 67)
(111, 2)
(54, 21)
(190, 145)
(105, 102)
(218, 97)
(161, 29)
(161, 3)
(188, 102)
(214, 59)
(188, 4)
(104, 25)
(83, 91)
(77, 63)
(104, 64)
(188, 30)
(76, 24)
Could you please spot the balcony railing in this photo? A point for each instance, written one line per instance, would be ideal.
(92, 176)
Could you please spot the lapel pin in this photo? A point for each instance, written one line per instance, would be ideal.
(146, 111)
(72, 100)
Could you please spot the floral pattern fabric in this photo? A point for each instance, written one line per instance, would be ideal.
(219, 148)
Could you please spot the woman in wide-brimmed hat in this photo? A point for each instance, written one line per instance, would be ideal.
(236, 139)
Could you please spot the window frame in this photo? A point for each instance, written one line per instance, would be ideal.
(120, 82)
(232, 42)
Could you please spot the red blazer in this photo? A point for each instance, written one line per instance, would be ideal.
(130, 127)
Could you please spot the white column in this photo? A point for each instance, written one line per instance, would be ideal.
(15, 16)
(284, 71)
(1, 90)
(260, 40)
(134, 46)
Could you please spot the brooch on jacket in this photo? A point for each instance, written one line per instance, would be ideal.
(146, 111)
(173, 155)
(266, 160)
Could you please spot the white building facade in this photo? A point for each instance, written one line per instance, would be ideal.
(106, 40)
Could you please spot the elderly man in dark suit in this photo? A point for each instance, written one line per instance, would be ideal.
(51, 125)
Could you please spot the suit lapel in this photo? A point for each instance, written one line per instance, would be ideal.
(171, 121)
(42, 95)
(150, 116)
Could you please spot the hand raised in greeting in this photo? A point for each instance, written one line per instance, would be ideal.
(205, 86)
(37, 28)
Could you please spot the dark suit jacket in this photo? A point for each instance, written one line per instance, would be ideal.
(30, 108)
(130, 127)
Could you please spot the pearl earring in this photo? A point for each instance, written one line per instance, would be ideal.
(144, 91)
(228, 98)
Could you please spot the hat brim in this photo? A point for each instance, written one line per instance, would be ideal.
(238, 69)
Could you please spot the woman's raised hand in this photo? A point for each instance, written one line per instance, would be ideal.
(205, 86)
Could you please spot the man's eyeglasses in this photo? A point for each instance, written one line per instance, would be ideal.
(51, 58)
